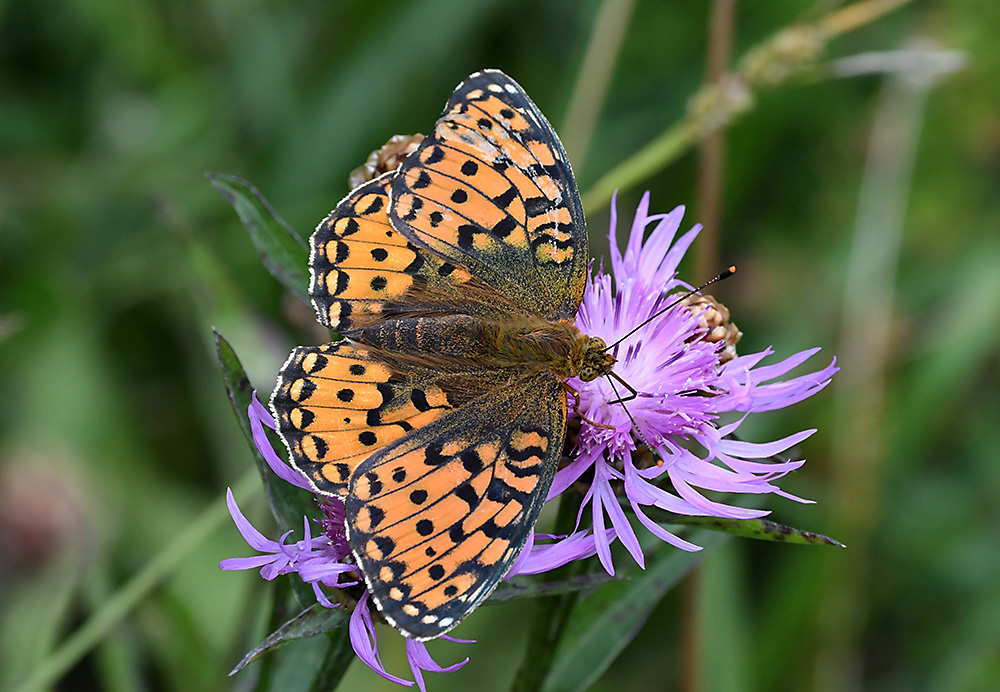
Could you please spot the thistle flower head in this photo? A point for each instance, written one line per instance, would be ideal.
(686, 376)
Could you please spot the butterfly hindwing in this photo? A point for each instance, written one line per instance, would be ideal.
(365, 272)
(336, 404)
(437, 519)
(492, 189)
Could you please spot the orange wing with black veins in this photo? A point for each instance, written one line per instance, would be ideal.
(437, 518)
(491, 189)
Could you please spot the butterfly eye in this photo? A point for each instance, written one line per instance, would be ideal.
(595, 360)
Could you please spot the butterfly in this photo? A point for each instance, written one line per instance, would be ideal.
(440, 417)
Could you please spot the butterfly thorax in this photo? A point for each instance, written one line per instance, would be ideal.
(556, 347)
(522, 343)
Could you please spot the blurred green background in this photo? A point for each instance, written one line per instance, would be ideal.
(117, 258)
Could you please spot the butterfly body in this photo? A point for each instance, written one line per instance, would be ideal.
(524, 345)
(440, 417)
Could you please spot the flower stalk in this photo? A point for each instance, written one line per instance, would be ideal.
(789, 53)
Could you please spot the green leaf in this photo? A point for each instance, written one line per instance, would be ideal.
(602, 625)
(310, 664)
(527, 587)
(314, 620)
(758, 529)
(288, 503)
(314, 663)
(282, 250)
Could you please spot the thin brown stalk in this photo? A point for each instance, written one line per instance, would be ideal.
(710, 173)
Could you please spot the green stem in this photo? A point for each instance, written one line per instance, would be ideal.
(641, 165)
(774, 61)
(548, 624)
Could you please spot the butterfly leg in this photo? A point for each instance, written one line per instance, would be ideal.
(621, 400)
(632, 393)
(576, 407)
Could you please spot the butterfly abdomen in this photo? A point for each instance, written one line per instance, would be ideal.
(525, 344)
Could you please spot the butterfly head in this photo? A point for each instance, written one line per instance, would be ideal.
(595, 360)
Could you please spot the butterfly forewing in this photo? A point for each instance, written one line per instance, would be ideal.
(492, 189)
(438, 518)
(364, 272)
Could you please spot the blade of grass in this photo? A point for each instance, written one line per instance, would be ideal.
(862, 413)
(591, 87)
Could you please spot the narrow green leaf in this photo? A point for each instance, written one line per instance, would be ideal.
(314, 620)
(602, 625)
(282, 250)
(758, 529)
(527, 587)
(288, 503)
(310, 664)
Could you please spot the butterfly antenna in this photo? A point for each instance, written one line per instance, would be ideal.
(724, 275)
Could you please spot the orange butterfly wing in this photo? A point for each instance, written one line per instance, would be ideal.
(338, 403)
(492, 189)
(444, 463)
(437, 519)
(365, 272)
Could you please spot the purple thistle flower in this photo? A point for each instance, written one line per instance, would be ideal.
(684, 386)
